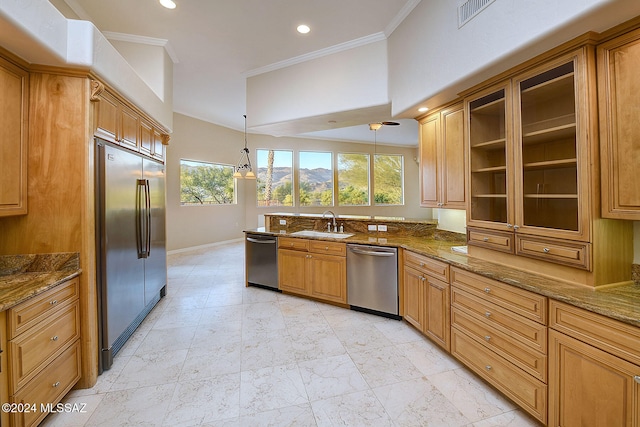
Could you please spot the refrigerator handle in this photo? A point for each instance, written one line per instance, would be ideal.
(141, 190)
(147, 195)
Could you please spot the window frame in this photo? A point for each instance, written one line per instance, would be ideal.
(204, 162)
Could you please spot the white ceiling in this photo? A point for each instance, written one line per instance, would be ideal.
(216, 44)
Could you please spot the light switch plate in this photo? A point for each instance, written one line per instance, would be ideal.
(283, 222)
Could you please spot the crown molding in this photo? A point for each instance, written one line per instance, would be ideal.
(151, 41)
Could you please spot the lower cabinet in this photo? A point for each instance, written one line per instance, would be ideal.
(426, 297)
(500, 332)
(594, 369)
(43, 351)
(313, 268)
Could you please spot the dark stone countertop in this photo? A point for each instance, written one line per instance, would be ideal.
(25, 276)
(620, 302)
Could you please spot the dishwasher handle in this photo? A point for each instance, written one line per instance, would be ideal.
(372, 253)
(267, 241)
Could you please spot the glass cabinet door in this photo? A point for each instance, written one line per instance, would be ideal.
(547, 187)
(489, 156)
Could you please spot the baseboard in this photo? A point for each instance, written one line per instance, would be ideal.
(208, 245)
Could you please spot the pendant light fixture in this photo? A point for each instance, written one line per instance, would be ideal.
(244, 164)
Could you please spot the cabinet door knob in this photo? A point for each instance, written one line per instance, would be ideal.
(637, 379)
(487, 314)
(56, 384)
(488, 367)
(486, 239)
(545, 250)
(487, 338)
(515, 227)
(54, 338)
(53, 302)
(509, 225)
(487, 290)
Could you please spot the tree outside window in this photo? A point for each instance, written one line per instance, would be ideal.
(353, 179)
(274, 179)
(388, 171)
(315, 187)
(203, 183)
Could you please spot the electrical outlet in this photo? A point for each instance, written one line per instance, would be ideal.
(371, 227)
(283, 222)
(382, 227)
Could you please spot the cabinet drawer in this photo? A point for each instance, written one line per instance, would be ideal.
(526, 358)
(33, 348)
(293, 243)
(490, 239)
(23, 316)
(617, 338)
(436, 269)
(322, 247)
(525, 303)
(573, 254)
(527, 332)
(526, 391)
(49, 386)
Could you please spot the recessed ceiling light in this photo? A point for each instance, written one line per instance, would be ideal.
(303, 29)
(169, 4)
(423, 109)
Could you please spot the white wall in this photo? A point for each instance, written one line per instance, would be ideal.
(431, 60)
(189, 226)
(347, 80)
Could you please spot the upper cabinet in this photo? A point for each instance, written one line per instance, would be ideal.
(117, 122)
(530, 151)
(619, 107)
(14, 107)
(442, 159)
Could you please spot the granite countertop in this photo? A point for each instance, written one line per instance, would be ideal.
(620, 302)
(25, 276)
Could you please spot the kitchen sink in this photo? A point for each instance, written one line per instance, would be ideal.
(312, 233)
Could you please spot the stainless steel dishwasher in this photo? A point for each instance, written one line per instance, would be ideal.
(261, 256)
(372, 279)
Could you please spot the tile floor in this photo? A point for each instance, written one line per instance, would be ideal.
(214, 353)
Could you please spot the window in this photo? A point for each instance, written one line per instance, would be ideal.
(388, 185)
(315, 187)
(274, 184)
(353, 179)
(203, 183)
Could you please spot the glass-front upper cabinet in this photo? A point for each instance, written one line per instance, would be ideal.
(490, 153)
(549, 142)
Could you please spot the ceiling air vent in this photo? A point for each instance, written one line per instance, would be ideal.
(469, 9)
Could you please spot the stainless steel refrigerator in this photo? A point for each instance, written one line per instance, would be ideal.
(131, 253)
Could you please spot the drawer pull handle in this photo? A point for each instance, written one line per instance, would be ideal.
(486, 239)
(421, 264)
(488, 367)
(487, 290)
(487, 314)
(54, 338)
(56, 384)
(326, 248)
(487, 338)
(637, 379)
(53, 302)
(545, 250)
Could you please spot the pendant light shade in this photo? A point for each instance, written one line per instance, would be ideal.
(244, 164)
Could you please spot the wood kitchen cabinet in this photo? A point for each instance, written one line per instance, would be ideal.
(500, 332)
(14, 113)
(618, 87)
(115, 121)
(533, 184)
(426, 297)
(594, 369)
(43, 350)
(313, 268)
(442, 159)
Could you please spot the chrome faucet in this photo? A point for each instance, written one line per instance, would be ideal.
(335, 224)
